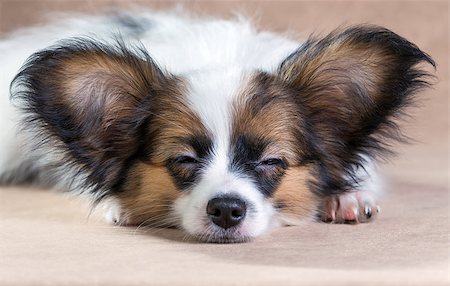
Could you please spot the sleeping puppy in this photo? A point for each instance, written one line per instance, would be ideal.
(207, 125)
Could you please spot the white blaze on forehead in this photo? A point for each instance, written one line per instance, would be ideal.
(211, 96)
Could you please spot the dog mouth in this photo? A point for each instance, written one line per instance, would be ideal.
(214, 234)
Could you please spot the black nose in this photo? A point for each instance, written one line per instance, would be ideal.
(226, 211)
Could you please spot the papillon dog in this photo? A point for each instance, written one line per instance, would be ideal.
(211, 126)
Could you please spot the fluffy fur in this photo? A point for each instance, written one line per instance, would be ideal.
(204, 124)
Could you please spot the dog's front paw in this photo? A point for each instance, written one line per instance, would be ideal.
(352, 207)
(114, 213)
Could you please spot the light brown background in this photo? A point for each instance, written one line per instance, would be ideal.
(47, 238)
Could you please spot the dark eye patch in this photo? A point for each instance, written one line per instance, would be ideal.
(185, 169)
(201, 144)
(247, 153)
(183, 174)
(247, 150)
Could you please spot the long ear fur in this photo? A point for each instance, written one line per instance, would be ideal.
(90, 100)
(353, 83)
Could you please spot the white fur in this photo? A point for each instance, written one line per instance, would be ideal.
(371, 185)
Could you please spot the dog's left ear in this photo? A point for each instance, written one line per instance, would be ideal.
(351, 84)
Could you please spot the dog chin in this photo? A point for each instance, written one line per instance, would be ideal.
(219, 235)
(236, 234)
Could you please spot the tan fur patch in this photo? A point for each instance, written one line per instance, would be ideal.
(110, 85)
(293, 198)
(148, 197)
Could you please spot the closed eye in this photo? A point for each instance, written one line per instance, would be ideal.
(184, 170)
(273, 162)
(185, 160)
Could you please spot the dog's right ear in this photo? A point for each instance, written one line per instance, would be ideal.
(353, 84)
(93, 98)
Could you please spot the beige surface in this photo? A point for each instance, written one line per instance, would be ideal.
(47, 238)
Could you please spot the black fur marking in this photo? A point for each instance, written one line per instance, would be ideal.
(25, 174)
(202, 145)
(133, 24)
(246, 159)
(247, 149)
(186, 172)
(141, 154)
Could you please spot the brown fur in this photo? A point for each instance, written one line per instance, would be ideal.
(293, 198)
(150, 193)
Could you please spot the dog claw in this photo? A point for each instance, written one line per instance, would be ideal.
(368, 212)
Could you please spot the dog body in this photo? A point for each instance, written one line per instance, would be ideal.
(204, 124)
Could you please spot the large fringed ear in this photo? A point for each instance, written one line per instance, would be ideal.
(91, 100)
(352, 84)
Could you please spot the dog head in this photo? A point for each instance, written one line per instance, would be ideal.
(224, 153)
